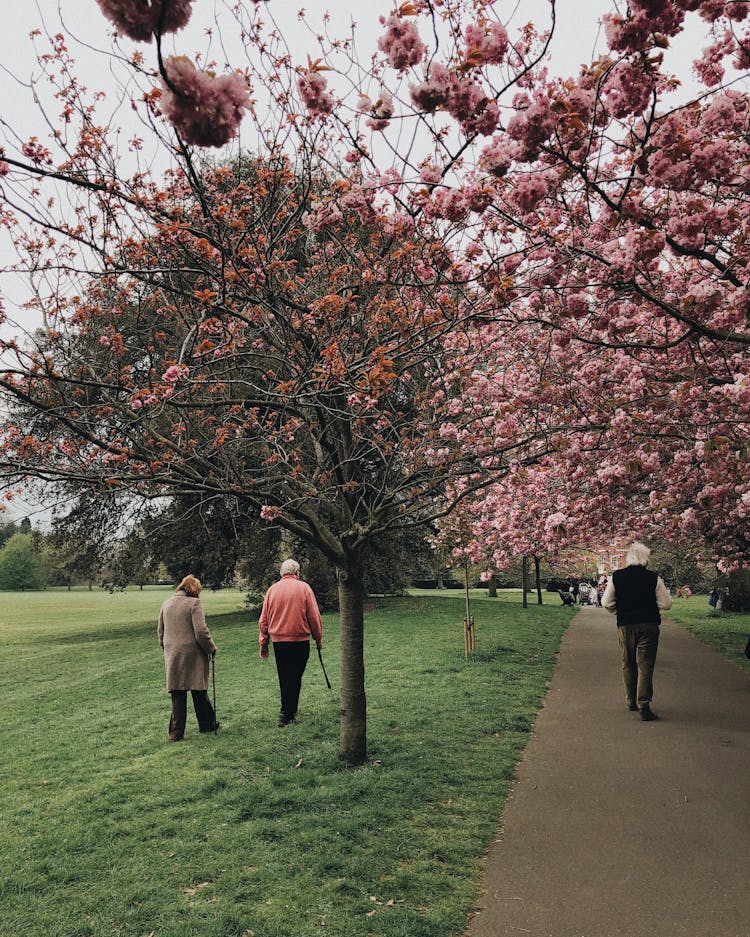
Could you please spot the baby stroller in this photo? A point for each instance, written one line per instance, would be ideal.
(584, 594)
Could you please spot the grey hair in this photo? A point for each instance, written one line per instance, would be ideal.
(638, 554)
(289, 568)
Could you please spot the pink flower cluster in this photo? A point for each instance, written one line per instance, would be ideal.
(143, 399)
(4, 168)
(141, 19)
(401, 43)
(36, 152)
(381, 111)
(629, 88)
(324, 215)
(206, 110)
(434, 90)
(531, 125)
(463, 97)
(315, 94)
(531, 189)
(486, 45)
(709, 67)
(497, 158)
(451, 204)
(635, 31)
(175, 373)
(647, 21)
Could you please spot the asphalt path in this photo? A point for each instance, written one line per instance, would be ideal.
(621, 828)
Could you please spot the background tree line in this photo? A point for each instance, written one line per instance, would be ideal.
(86, 546)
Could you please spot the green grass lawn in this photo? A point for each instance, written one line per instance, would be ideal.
(110, 830)
(726, 633)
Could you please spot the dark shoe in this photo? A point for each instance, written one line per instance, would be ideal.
(175, 738)
(212, 728)
(647, 714)
(633, 707)
(285, 721)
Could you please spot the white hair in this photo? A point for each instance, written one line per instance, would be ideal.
(289, 568)
(638, 554)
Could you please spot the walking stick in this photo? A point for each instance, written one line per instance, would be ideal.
(213, 683)
(320, 658)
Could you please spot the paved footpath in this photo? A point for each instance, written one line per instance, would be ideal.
(622, 828)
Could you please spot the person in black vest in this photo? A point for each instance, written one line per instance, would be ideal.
(636, 595)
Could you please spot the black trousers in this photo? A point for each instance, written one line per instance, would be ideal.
(204, 712)
(291, 660)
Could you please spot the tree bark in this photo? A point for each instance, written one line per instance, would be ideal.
(538, 576)
(492, 587)
(353, 727)
(525, 580)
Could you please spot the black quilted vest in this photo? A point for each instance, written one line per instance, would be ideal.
(635, 594)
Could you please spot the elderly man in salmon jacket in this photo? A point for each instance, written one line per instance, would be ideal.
(290, 617)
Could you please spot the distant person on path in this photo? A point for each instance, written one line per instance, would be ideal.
(601, 587)
(188, 647)
(636, 595)
(290, 617)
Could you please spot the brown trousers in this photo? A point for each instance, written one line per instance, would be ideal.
(204, 713)
(638, 644)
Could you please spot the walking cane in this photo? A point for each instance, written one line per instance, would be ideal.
(320, 658)
(213, 683)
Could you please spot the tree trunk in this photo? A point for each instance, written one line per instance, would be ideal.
(538, 576)
(353, 728)
(525, 580)
(492, 587)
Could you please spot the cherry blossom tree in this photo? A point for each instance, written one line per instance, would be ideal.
(226, 349)
(612, 214)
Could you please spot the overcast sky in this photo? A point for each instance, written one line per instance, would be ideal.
(578, 36)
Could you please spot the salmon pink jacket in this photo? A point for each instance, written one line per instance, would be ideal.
(290, 613)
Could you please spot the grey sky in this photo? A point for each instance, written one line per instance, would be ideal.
(577, 39)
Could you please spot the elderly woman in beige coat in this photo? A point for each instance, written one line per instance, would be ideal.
(188, 647)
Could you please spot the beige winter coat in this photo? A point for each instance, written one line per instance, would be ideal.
(187, 642)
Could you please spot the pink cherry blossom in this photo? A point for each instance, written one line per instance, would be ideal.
(529, 190)
(322, 216)
(381, 111)
(401, 43)
(205, 109)
(498, 156)
(465, 98)
(531, 125)
(629, 88)
(486, 45)
(141, 19)
(313, 88)
(433, 92)
(175, 373)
